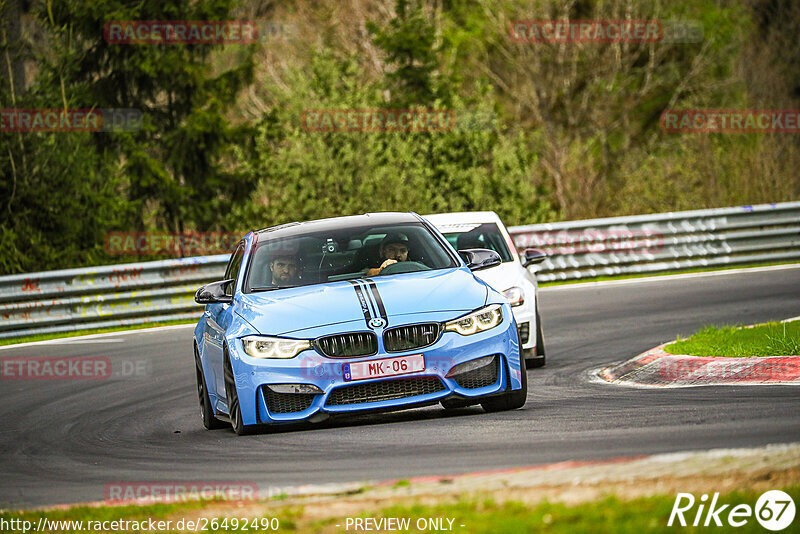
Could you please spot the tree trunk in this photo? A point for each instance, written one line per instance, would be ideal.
(12, 71)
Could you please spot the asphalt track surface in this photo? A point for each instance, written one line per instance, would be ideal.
(63, 441)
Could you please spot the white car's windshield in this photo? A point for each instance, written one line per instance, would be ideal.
(487, 235)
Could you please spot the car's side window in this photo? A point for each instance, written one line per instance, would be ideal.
(232, 272)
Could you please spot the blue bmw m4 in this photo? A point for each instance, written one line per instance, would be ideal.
(347, 315)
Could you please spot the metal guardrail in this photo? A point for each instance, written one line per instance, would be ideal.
(664, 242)
(102, 297)
(136, 293)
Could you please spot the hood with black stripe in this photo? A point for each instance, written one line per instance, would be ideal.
(395, 299)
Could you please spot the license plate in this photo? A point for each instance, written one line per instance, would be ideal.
(401, 365)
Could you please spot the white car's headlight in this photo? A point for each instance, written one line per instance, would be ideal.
(274, 347)
(477, 321)
(515, 296)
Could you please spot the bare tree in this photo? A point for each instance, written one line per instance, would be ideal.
(12, 72)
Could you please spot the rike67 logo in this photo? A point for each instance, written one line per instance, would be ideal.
(774, 510)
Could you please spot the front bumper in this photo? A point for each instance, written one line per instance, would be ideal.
(525, 317)
(259, 404)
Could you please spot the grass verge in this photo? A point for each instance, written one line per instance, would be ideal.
(648, 514)
(769, 339)
(467, 514)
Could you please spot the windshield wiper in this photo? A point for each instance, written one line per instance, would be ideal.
(270, 288)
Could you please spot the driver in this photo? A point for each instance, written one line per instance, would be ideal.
(394, 248)
(285, 270)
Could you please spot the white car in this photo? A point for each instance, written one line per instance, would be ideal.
(484, 229)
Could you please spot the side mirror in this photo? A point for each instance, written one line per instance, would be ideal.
(480, 258)
(213, 293)
(532, 256)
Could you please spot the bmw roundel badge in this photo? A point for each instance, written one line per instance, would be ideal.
(377, 322)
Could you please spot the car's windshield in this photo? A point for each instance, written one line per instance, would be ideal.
(487, 235)
(343, 254)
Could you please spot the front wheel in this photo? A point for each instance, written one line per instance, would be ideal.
(206, 410)
(233, 401)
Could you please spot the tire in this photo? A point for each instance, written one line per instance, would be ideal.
(455, 404)
(537, 359)
(206, 410)
(533, 360)
(234, 410)
(513, 399)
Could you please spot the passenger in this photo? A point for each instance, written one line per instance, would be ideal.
(285, 270)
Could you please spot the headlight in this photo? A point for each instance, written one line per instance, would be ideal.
(274, 347)
(515, 296)
(477, 321)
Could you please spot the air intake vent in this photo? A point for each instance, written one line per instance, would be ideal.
(480, 377)
(351, 345)
(524, 332)
(410, 337)
(398, 388)
(287, 402)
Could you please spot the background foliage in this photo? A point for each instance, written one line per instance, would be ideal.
(575, 131)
